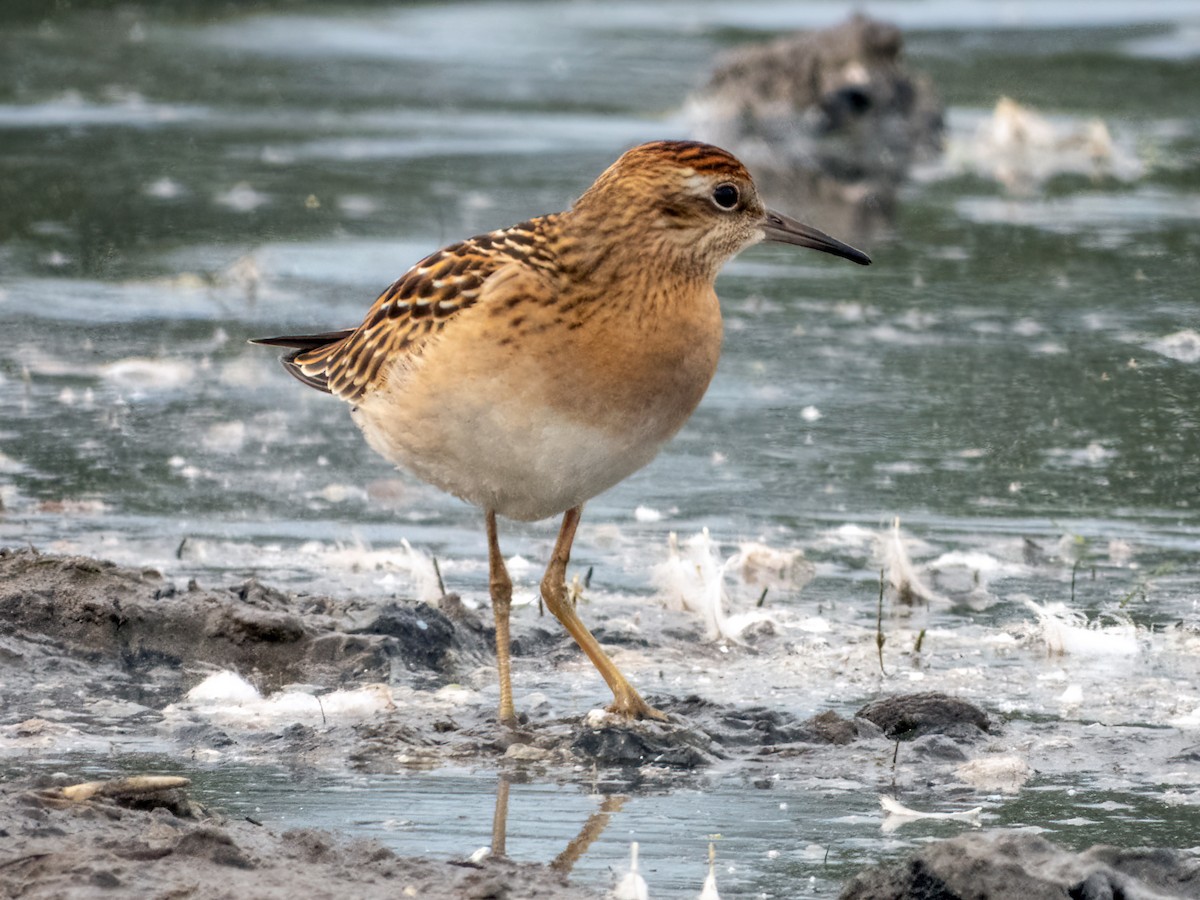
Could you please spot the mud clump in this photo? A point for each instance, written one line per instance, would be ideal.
(1006, 865)
(615, 742)
(767, 730)
(700, 732)
(423, 634)
(909, 716)
(139, 622)
(54, 847)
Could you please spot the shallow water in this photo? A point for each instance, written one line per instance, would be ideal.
(1015, 378)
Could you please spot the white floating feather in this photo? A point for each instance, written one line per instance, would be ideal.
(1066, 631)
(1181, 345)
(647, 514)
(632, 886)
(1022, 149)
(709, 891)
(142, 374)
(900, 573)
(227, 697)
(693, 578)
(224, 687)
(420, 568)
(897, 814)
(763, 566)
(1189, 721)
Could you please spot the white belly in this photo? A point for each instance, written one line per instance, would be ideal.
(524, 460)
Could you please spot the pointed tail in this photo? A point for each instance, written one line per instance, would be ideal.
(314, 348)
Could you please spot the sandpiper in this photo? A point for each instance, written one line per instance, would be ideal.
(529, 369)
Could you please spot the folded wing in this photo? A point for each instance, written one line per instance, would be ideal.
(412, 309)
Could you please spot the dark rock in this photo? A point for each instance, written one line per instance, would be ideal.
(830, 728)
(684, 633)
(424, 634)
(254, 593)
(712, 731)
(617, 743)
(538, 641)
(1011, 865)
(254, 625)
(370, 654)
(938, 747)
(908, 716)
(758, 726)
(202, 734)
(297, 732)
(619, 637)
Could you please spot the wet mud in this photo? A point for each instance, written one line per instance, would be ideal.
(1006, 865)
(82, 634)
(97, 658)
(163, 845)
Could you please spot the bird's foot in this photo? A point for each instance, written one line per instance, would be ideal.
(632, 706)
(512, 723)
(508, 718)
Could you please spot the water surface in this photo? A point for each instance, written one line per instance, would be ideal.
(1015, 378)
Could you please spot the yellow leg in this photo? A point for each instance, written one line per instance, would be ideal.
(500, 818)
(592, 829)
(500, 586)
(626, 700)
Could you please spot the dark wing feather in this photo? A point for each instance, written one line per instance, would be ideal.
(304, 343)
(413, 308)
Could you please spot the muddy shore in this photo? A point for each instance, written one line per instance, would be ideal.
(96, 659)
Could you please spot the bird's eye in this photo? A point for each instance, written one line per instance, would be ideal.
(725, 196)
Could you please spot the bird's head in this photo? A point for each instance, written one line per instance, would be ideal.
(693, 206)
